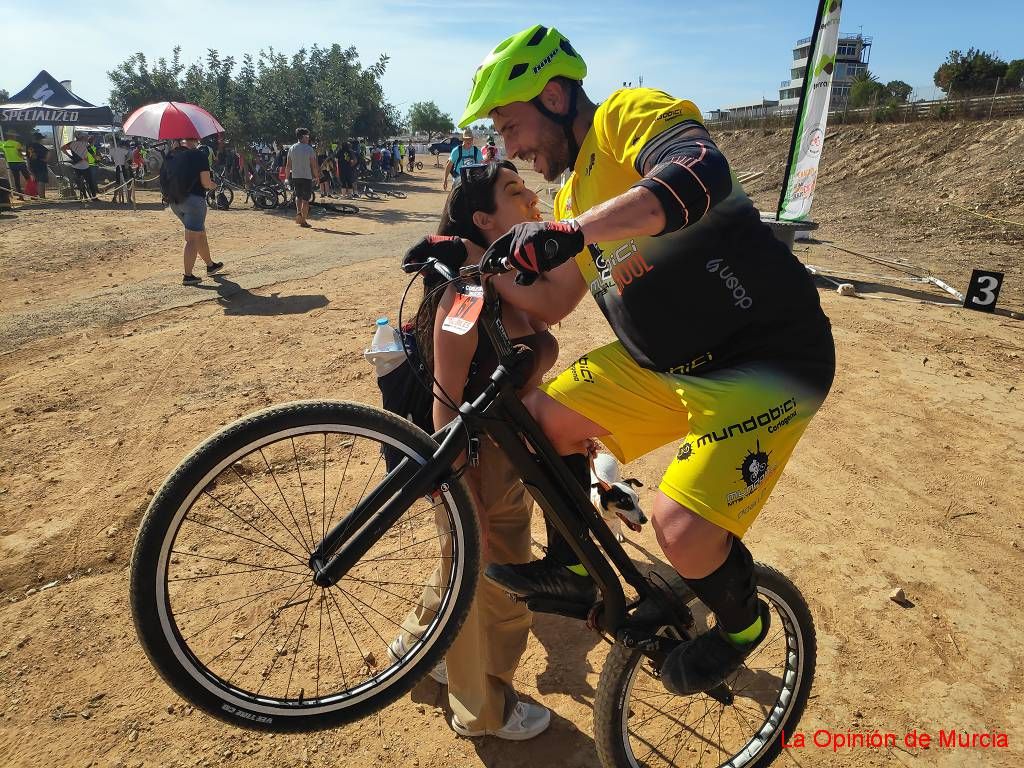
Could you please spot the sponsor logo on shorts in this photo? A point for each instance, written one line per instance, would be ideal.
(581, 371)
(774, 418)
(685, 451)
(754, 469)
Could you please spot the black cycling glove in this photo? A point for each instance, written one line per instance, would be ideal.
(538, 246)
(449, 251)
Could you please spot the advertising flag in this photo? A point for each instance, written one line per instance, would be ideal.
(809, 131)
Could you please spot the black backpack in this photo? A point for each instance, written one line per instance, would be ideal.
(173, 185)
(406, 392)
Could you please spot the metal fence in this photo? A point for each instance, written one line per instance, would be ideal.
(975, 108)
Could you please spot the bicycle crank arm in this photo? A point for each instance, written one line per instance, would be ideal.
(376, 513)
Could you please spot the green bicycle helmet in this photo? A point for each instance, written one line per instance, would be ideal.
(518, 69)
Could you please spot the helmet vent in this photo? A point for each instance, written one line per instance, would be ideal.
(538, 36)
(517, 70)
(567, 47)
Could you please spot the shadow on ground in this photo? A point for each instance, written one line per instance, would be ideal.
(237, 300)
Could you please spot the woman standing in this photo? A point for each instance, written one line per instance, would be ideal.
(487, 200)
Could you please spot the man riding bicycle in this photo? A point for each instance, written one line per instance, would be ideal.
(721, 340)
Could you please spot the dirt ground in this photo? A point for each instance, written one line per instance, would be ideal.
(911, 475)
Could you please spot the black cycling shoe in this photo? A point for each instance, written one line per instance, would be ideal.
(543, 578)
(214, 267)
(704, 663)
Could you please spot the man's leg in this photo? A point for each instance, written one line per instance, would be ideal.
(559, 575)
(720, 570)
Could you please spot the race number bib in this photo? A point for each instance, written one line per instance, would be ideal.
(469, 301)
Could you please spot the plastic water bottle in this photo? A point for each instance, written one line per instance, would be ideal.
(385, 352)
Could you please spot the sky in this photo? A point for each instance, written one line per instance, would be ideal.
(716, 54)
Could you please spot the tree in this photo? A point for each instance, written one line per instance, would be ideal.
(866, 90)
(899, 90)
(426, 117)
(971, 73)
(4, 95)
(270, 95)
(1015, 75)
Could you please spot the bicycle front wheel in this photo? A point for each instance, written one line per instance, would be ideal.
(222, 593)
(639, 724)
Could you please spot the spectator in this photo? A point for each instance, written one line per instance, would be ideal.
(385, 161)
(78, 150)
(396, 158)
(348, 161)
(120, 156)
(412, 156)
(92, 156)
(188, 170)
(302, 166)
(14, 151)
(490, 151)
(37, 156)
(464, 154)
(326, 164)
(5, 185)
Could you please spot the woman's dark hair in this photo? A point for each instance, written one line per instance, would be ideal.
(466, 198)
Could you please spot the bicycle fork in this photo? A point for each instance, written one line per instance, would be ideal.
(381, 509)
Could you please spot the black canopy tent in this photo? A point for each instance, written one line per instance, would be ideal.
(46, 101)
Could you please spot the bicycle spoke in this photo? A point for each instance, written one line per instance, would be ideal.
(267, 506)
(284, 644)
(323, 512)
(228, 573)
(254, 566)
(269, 621)
(319, 638)
(367, 621)
(236, 599)
(217, 620)
(287, 506)
(298, 643)
(330, 620)
(298, 588)
(273, 545)
(408, 546)
(393, 594)
(302, 490)
(344, 472)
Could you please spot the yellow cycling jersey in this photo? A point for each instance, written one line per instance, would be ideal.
(745, 295)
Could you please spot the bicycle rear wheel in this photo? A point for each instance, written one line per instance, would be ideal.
(637, 723)
(222, 594)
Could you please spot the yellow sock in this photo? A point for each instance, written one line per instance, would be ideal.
(748, 635)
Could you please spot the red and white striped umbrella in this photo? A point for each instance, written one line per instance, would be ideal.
(171, 120)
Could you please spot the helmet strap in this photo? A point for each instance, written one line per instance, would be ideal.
(566, 121)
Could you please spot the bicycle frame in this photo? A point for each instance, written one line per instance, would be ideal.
(499, 413)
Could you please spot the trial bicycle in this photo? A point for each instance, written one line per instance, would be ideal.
(276, 564)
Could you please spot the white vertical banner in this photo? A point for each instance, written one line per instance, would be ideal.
(809, 130)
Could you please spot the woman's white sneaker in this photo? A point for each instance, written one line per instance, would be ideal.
(397, 650)
(526, 721)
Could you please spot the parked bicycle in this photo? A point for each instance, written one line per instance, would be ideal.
(278, 560)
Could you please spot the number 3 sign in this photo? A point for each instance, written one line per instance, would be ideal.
(983, 291)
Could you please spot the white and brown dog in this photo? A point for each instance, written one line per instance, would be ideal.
(614, 497)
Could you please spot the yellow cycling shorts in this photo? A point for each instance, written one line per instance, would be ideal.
(739, 426)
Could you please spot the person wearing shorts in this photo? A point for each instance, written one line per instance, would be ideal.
(720, 337)
(302, 167)
(37, 154)
(193, 166)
